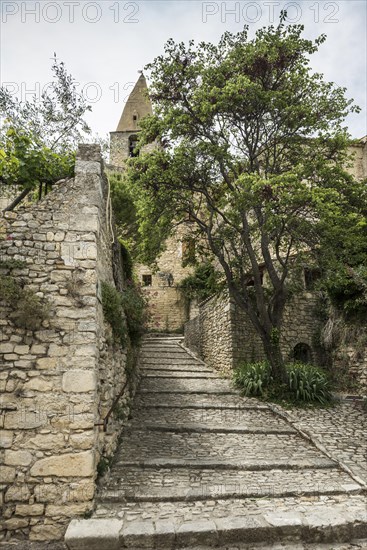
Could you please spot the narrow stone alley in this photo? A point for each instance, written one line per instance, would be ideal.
(200, 466)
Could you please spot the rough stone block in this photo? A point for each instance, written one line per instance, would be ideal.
(17, 493)
(29, 509)
(7, 474)
(17, 458)
(46, 532)
(93, 534)
(6, 438)
(65, 465)
(79, 381)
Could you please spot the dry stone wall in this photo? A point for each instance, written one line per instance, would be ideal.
(224, 337)
(59, 381)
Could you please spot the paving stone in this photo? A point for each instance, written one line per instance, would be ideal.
(200, 466)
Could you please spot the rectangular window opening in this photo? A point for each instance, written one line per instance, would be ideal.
(147, 280)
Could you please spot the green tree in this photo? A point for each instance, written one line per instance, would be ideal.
(38, 137)
(253, 150)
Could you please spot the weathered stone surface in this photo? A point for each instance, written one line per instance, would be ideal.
(94, 534)
(46, 532)
(79, 381)
(29, 509)
(6, 438)
(17, 458)
(65, 465)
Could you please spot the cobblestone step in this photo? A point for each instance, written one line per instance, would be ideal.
(227, 464)
(193, 399)
(186, 385)
(136, 484)
(230, 418)
(147, 367)
(182, 361)
(221, 523)
(181, 374)
(140, 444)
(201, 467)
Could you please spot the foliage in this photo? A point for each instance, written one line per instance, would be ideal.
(304, 383)
(38, 137)
(347, 290)
(28, 310)
(114, 312)
(140, 227)
(135, 307)
(254, 152)
(125, 311)
(203, 283)
(308, 383)
(253, 378)
(127, 261)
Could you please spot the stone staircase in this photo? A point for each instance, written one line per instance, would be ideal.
(200, 467)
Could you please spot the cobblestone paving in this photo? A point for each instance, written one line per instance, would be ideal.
(201, 465)
(342, 430)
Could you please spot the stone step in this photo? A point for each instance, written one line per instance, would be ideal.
(181, 374)
(186, 385)
(164, 361)
(174, 368)
(140, 445)
(228, 418)
(200, 428)
(169, 354)
(217, 463)
(216, 523)
(194, 399)
(171, 484)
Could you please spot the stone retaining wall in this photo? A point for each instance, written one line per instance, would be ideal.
(225, 337)
(59, 381)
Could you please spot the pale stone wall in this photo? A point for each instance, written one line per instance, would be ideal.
(168, 310)
(58, 382)
(225, 337)
(359, 161)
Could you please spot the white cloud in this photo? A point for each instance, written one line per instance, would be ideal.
(107, 54)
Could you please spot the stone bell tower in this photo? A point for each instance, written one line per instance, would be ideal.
(123, 141)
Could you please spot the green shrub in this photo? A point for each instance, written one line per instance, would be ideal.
(308, 383)
(114, 312)
(28, 310)
(253, 378)
(135, 306)
(125, 311)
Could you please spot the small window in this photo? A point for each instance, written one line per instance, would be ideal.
(147, 280)
(135, 117)
(312, 275)
(251, 280)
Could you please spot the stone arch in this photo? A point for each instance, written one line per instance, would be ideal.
(302, 352)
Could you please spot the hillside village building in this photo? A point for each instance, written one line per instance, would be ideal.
(168, 308)
(167, 305)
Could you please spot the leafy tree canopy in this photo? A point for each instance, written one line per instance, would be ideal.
(38, 137)
(254, 150)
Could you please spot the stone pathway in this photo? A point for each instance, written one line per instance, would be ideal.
(199, 467)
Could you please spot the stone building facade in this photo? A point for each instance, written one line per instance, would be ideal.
(59, 381)
(168, 310)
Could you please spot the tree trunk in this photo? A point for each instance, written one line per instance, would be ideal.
(274, 356)
(16, 201)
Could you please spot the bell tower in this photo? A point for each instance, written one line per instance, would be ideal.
(123, 140)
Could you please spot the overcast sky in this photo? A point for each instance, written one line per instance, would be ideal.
(105, 43)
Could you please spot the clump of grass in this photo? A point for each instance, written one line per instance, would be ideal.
(253, 378)
(28, 310)
(308, 383)
(304, 383)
